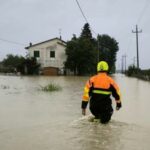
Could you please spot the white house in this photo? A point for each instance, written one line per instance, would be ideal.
(50, 54)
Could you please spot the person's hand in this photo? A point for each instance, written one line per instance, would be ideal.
(84, 112)
(118, 105)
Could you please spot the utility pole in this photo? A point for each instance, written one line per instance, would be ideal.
(134, 59)
(125, 65)
(137, 47)
(98, 47)
(122, 65)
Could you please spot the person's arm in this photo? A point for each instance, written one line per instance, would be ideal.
(85, 97)
(116, 94)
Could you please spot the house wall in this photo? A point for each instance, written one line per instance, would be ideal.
(45, 48)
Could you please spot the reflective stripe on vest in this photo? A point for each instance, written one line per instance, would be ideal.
(101, 92)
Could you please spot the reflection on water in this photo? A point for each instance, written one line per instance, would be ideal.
(31, 119)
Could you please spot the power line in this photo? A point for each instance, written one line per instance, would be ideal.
(82, 11)
(98, 44)
(143, 11)
(86, 20)
(12, 42)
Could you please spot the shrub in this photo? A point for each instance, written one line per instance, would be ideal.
(51, 87)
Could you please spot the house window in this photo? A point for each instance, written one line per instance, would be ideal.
(52, 54)
(36, 54)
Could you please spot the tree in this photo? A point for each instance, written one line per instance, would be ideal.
(108, 50)
(81, 53)
(12, 63)
(87, 57)
(72, 52)
(31, 66)
(86, 32)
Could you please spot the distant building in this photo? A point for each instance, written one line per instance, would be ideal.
(50, 54)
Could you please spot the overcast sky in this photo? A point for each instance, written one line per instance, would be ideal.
(24, 21)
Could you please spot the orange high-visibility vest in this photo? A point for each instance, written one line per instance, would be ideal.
(101, 84)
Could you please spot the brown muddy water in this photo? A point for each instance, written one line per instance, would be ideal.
(31, 119)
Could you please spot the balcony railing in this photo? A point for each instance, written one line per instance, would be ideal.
(51, 63)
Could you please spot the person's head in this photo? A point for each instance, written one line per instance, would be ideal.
(102, 66)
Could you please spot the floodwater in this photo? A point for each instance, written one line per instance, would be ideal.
(31, 119)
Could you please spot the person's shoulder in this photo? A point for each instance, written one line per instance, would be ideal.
(110, 78)
(93, 77)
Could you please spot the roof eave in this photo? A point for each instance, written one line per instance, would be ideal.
(45, 42)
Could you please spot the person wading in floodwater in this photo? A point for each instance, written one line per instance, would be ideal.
(98, 90)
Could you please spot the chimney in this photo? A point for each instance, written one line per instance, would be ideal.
(30, 44)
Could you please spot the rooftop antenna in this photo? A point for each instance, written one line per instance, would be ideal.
(60, 34)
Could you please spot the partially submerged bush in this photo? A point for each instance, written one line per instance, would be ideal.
(141, 74)
(132, 70)
(51, 87)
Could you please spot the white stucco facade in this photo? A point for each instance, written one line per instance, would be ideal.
(50, 53)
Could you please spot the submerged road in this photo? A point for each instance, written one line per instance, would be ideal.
(31, 119)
